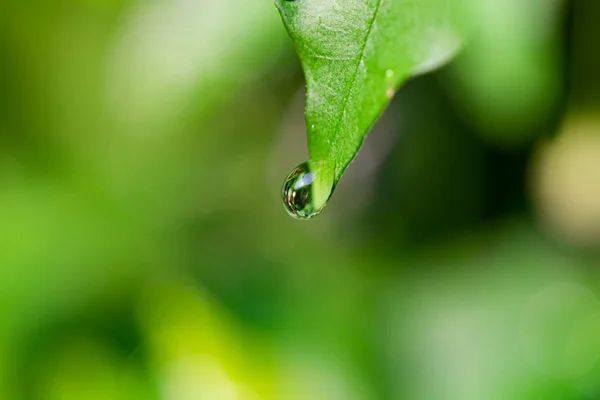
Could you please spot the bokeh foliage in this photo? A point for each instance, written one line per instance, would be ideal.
(144, 252)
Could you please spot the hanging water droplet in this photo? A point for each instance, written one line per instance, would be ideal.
(307, 189)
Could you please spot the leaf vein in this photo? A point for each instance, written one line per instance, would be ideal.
(355, 73)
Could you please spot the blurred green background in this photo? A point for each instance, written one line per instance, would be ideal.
(145, 253)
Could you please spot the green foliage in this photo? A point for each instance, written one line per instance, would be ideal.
(355, 55)
(143, 255)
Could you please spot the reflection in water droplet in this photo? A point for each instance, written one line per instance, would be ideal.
(306, 189)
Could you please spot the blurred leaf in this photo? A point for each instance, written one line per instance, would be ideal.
(198, 351)
(356, 55)
(507, 81)
(166, 58)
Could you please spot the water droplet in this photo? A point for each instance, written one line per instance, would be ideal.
(307, 189)
(389, 73)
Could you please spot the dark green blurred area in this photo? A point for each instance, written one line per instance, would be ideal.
(145, 253)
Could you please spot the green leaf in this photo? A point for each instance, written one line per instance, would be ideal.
(355, 54)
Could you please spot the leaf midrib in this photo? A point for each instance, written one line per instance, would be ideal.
(353, 79)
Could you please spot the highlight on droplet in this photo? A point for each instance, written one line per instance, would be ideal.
(307, 189)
